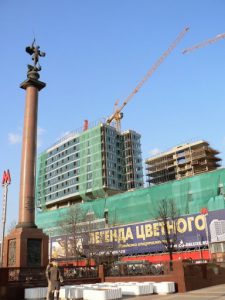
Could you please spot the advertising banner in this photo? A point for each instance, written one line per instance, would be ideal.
(193, 231)
(58, 247)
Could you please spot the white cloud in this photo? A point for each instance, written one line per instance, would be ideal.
(155, 151)
(14, 138)
(40, 131)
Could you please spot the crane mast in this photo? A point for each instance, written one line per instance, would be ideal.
(118, 115)
(204, 43)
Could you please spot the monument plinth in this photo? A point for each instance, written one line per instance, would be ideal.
(27, 245)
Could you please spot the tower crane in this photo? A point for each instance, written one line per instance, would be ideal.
(117, 114)
(205, 43)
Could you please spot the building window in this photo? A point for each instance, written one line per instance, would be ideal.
(106, 216)
(89, 176)
(89, 185)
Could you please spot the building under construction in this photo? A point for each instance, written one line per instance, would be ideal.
(94, 163)
(182, 161)
(132, 208)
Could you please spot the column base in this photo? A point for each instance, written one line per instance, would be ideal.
(26, 225)
(26, 247)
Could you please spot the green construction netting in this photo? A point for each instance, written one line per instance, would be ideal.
(190, 195)
(91, 161)
(51, 220)
(40, 180)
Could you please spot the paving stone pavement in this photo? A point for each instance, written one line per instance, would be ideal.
(210, 293)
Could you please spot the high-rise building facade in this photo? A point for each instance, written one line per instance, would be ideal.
(182, 161)
(86, 165)
(133, 161)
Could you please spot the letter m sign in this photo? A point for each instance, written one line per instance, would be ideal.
(6, 179)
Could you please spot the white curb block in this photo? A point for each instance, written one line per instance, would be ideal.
(35, 293)
(102, 293)
(163, 288)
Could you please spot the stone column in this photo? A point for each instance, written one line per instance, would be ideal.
(27, 245)
(28, 161)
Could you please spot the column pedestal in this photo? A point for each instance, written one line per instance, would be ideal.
(26, 247)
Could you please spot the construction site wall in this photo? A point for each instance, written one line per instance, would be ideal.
(190, 195)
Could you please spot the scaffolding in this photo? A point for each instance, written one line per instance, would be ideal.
(189, 194)
(40, 192)
(90, 172)
(182, 161)
(89, 165)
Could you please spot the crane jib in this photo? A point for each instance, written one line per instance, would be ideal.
(116, 115)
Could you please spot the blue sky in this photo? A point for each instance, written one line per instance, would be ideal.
(97, 52)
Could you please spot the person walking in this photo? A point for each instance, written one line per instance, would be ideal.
(54, 279)
(47, 276)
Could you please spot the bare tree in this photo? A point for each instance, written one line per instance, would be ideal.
(167, 215)
(80, 230)
(72, 230)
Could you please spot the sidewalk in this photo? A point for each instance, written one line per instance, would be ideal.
(210, 293)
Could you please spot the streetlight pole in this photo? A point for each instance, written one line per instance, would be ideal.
(6, 180)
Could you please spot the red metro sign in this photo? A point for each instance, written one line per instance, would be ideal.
(6, 178)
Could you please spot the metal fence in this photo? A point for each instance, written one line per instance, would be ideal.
(26, 274)
(30, 275)
(72, 272)
(136, 269)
